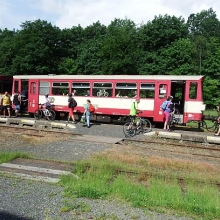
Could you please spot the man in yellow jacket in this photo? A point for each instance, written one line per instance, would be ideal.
(6, 104)
(134, 108)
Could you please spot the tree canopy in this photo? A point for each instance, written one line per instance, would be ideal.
(167, 45)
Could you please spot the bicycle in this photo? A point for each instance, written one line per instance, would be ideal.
(175, 115)
(136, 125)
(213, 127)
(102, 92)
(49, 114)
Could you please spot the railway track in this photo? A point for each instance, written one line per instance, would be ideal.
(26, 128)
(145, 144)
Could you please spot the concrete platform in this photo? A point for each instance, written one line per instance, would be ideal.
(193, 137)
(41, 124)
(97, 139)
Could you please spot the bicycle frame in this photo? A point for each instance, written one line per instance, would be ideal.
(136, 125)
(47, 113)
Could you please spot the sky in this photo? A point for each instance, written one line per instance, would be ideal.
(69, 13)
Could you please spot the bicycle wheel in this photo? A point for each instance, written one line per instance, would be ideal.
(202, 124)
(129, 129)
(176, 118)
(216, 128)
(145, 125)
(38, 114)
(106, 94)
(213, 127)
(99, 94)
(52, 115)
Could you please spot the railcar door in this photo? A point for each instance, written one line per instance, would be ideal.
(33, 95)
(162, 91)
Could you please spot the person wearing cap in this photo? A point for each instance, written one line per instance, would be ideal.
(167, 112)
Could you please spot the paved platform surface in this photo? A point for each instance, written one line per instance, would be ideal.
(30, 169)
(97, 139)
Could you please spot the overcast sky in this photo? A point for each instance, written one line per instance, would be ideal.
(68, 13)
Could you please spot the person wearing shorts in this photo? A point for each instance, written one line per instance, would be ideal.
(17, 103)
(167, 112)
(71, 108)
(6, 104)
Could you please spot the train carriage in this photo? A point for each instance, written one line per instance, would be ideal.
(113, 95)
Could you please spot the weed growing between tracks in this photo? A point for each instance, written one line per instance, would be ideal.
(156, 183)
(9, 156)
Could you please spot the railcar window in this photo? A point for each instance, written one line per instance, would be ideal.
(24, 86)
(44, 88)
(193, 90)
(147, 90)
(81, 88)
(162, 91)
(102, 89)
(33, 88)
(60, 88)
(126, 90)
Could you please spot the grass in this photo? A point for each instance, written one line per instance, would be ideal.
(9, 156)
(194, 195)
(71, 205)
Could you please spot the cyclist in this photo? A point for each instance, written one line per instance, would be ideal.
(17, 103)
(167, 112)
(48, 105)
(134, 109)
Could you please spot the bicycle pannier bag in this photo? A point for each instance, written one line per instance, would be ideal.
(91, 108)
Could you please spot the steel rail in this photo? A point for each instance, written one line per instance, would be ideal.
(178, 145)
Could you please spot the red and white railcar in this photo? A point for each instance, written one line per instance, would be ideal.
(113, 95)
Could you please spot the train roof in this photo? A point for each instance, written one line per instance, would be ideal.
(111, 77)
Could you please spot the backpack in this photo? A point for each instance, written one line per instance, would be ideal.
(91, 108)
(74, 104)
(164, 105)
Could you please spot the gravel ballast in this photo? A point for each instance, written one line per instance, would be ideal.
(22, 199)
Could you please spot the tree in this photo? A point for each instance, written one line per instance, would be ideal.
(161, 32)
(7, 52)
(205, 24)
(119, 50)
(176, 59)
(37, 48)
(199, 52)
